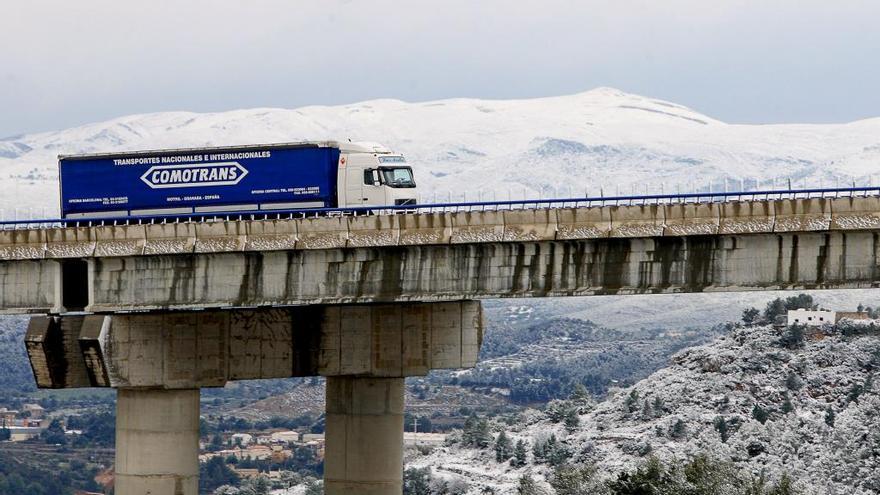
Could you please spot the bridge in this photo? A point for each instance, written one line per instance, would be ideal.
(160, 309)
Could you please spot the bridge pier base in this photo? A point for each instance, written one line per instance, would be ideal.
(364, 436)
(157, 442)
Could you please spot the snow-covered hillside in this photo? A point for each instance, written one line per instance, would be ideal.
(816, 417)
(698, 310)
(488, 148)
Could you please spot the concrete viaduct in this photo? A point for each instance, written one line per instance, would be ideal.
(159, 311)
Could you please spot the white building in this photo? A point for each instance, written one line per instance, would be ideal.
(811, 318)
(313, 437)
(285, 436)
(36, 411)
(243, 439)
(411, 439)
(22, 433)
(256, 453)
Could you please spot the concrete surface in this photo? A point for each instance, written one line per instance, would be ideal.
(793, 261)
(364, 436)
(157, 442)
(186, 350)
(515, 225)
(445, 256)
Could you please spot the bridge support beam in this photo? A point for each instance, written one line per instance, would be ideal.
(157, 442)
(364, 436)
(159, 361)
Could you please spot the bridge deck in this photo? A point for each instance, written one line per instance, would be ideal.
(651, 248)
(467, 227)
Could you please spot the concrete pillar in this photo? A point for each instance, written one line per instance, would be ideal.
(364, 435)
(157, 442)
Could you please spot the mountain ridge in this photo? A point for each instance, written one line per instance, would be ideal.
(477, 149)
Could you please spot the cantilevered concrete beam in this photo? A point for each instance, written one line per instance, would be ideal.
(159, 361)
(187, 350)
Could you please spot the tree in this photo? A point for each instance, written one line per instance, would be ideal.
(792, 337)
(646, 410)
(217, 442)
(503, 447)
(760, 414)
(519, 454)
(632, 401)
(787, 406)
(829, 416)
(854, 393)
(793, 382)
(650, 478)
(721, 427)
(556, 410)
(658, 406)
(260, 485)
(785, 486)
(476, 432)
(580, 394)
(678, 430)
(779, 307)
(572, 480)
(800, 301)
(215, 473)
(572, 420)
(417, 481)
(551, 451)
(773, 309)
(54, 434)
(527, 486)
(750, 316)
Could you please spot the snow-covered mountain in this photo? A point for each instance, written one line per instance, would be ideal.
(805, 408)
(555, 146)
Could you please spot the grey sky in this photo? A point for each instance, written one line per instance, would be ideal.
(64, 63)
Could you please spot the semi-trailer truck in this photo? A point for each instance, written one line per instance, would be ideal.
(270, 178)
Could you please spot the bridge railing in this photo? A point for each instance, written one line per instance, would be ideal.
(575, 202)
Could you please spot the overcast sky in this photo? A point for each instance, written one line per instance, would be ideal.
(64, 63)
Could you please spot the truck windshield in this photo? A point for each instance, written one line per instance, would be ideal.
(397, 176)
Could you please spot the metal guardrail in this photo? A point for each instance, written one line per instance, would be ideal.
(645, 199)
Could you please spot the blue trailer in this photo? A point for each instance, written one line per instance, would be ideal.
(290, 176)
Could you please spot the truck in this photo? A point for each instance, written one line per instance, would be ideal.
(213, 180)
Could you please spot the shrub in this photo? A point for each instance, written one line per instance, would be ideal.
(574, 480)
(678, 430)
(760, 414)
(829, 416)
(721, 427)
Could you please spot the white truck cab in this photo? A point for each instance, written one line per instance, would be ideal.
(372, 175)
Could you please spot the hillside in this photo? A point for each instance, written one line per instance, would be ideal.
(556, 146)
(816, 417)
(653, 311)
